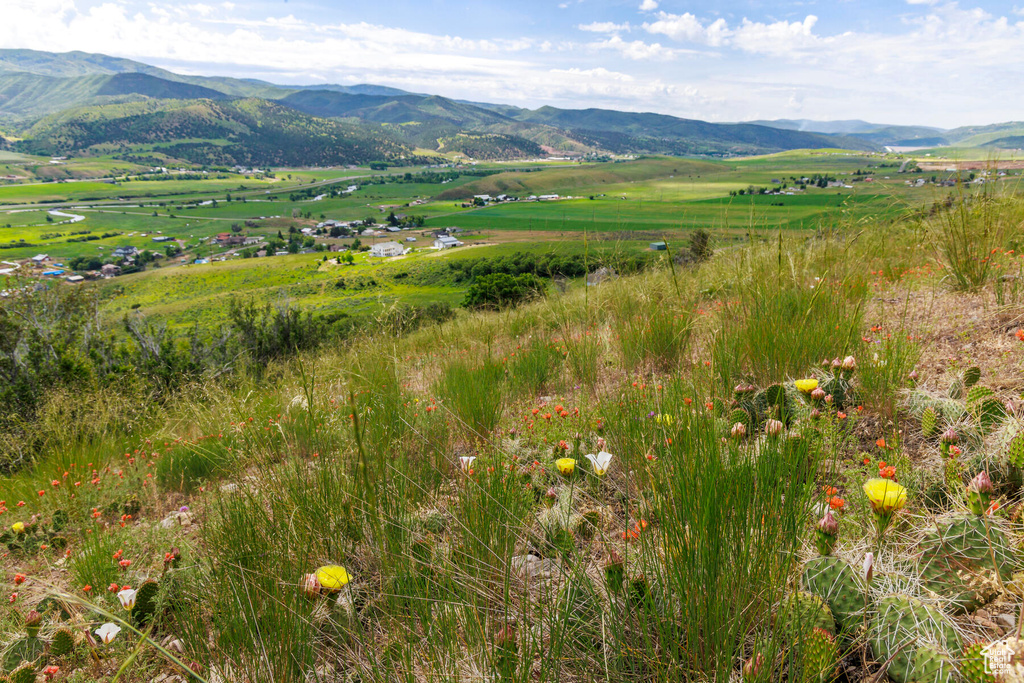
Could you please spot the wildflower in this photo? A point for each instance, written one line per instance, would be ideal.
(868, 568)
(886, 497)
(127, 598)
(634, 532)
(880, 443)
(1020, 334)
(564, 445)
(601, 443)
(979, 492)
(739, 430)
(841, 415)
(566, 465)
(992, 508)
(107, 632)
(752, 667)
(826, 533)
(125, 564)
(601, 461)
(666, 420)
(466, 462)
(19, 579)
(86, 588)
(51, 671)
(817, 394)
(806, 386)
(33, 620)
(773, 427)
(333, 578)
(18, 527)
(849, 364)
(836, 503)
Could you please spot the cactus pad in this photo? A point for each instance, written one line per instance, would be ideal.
(145, 602)
(990, 412)
(915, 637)
(972, 665)
(800, 613)
(62, 643)
(977, 394)
(24, 650)
(971, 376)
(836, 582)
(818, 657)
(956, 561)
(26, 673)
(1015, 450)
(929, 423)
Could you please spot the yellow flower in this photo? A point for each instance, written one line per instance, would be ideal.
(332, 577)
(18, 527)
(666, 420)
(885, 496)
(565, 465)
(806, 386)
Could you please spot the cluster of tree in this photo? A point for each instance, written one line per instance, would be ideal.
(544, 265)
(409, 221)
(501, 290)
(52, 341)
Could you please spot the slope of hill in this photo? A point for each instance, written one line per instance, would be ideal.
(249, 131)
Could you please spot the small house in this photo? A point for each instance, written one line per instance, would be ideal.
(387, 249)
(446, 242)
(658, 246)
(110, 270)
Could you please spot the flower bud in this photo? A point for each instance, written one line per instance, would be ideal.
(752, 667)
(33, 620)
(949, 436)
(979, 492)
(818, 394)
(739, 430)
(773, 427)
(310, 585)
(836, 364)
(868, 569)
(828, 399)
(825, 533)
(815, 414)
(913, 375)
(849, 364)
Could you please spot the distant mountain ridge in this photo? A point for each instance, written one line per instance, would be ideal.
(75, 101)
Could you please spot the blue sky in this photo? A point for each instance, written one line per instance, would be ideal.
(927, 62)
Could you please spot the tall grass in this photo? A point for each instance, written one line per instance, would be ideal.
(473, 393)
(967, 233)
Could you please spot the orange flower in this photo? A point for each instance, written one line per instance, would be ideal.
(880, 443)
(836, 503)
(830, 490)
(1020, 334)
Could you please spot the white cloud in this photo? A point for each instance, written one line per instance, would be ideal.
(604, 27)
(922, 2)
(648, 5)
(687, 27)
(635, 49)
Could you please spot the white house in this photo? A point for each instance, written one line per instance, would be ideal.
(446, 242)
(386, 249)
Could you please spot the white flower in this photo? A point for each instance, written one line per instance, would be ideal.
(869, 566)
(127, 598)
(108, 632)
(600, 462)
(466, 462)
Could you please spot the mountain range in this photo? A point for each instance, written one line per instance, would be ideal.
(80, 103)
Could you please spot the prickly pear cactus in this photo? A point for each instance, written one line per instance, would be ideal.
(28, 649)
(145, 602)
(776, 404)
(977, 394)
(62, 643)
(929, 423)
(839, 388)
(26, 673)
(802, 612)
(990, 412)
(818, 657)
(743, 417)
(956, 561)
(835, 581)
(916, 637)
(972, 665)
(971, 376)
(1015, 450)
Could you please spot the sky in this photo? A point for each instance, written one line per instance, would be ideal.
(911, 62)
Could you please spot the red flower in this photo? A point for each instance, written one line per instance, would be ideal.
(836, 503)
(125, 564)
(86, 588)
(880, 443)
(1020, 334)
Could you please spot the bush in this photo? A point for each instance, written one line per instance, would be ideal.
(500, 291)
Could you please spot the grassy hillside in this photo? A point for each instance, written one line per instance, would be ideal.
(256, 132)
(633, 481)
